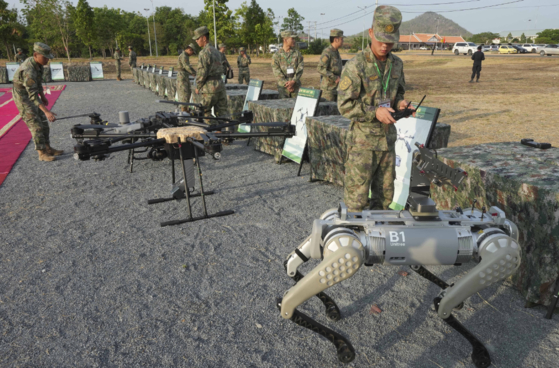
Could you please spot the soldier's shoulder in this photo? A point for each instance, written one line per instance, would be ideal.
(397, 59)
(356, 62)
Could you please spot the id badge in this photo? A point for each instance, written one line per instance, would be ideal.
(384, 102)
(290, 71)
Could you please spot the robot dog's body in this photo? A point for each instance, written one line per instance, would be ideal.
(416, 237)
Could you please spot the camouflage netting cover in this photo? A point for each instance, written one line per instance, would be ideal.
(47, 76)
(236, 99)
(524, 182)
(4, 75)
(327, 146)
(171, 85)
(135, 75)
(78, 73)
(160, 79)
(146, 78)
(152, 82)
(280, 111)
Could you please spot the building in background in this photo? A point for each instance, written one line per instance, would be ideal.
(417, 40)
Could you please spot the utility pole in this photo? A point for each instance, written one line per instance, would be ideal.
(363, 33)
(309, 34)
(154, 31)
(279, 27)
(322, 30)
(149, 36)
(315, 29)
(215, 31)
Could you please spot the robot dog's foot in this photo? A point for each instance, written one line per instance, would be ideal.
(480, 355)
(332, 310)
(345, 351)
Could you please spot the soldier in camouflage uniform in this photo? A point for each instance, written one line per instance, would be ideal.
(20, 56)
(183, 72)
(131, 58)
(31, 102)
(287, 64)
(117, 58)
(330, 66)
(224, 62)
(372, 85)
(209, 84)
(243, 61)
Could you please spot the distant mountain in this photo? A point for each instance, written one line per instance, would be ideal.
(427, 23)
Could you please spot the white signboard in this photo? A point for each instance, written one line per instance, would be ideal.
(410, 130)
(11, 68)
(253, 94)
(56, 71)
(96, 69)
(305, 105)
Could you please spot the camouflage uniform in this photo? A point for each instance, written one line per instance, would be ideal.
(330, 68)
(117, 58)
(224, 61)
(208, 79)
(183, 80)
(243, 62)
(20, 56)
(132, 58)
(27, 91)
(370, 161)
(281, 61)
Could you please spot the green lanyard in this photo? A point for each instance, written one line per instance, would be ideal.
(382, 76)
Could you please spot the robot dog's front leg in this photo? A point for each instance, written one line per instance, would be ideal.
(343, 256)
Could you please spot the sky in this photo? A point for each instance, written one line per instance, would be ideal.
(514, 16)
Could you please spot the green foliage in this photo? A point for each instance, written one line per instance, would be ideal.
(84, 23)
(316, 47)
(224, 20)
(292, 22)
(357, 42)
(509, 36)
(10, 29)
(548, 36)
(485, 37)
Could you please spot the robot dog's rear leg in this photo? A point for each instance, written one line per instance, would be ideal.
(332, 311)
(423, 272)
(480, 355)
(344, 349)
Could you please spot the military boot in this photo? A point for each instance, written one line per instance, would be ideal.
(472, 80)
(45, 156)
(51, 151)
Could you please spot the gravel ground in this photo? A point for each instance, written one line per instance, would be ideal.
(89, 279)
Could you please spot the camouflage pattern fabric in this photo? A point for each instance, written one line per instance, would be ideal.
(280, 111)
(27, 90)
(160, 80)
(328, 142)
(522, 182)
(79, 73)
(152, 82)
(140, 74)
(224, 62)
(4, 75)
(330, 68)
(136, 75)
(183, 82)
(244, 73)
(281, 61)
(47, 76)
(146, 78)
(171, 84)
(20, 58)
(132, 59)
(117, 58)
(209, 83)
(386, 24)
(236, 99)
(359, 92)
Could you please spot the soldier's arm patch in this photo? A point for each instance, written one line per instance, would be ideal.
(324, 59)
(30, 82)
(345, 83)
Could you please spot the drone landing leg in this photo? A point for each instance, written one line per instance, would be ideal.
(131, 159)
(173, 169)
(345, 351)
(248, 142)
(480, 355)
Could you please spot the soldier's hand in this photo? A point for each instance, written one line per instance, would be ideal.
(383, 115)
(196, 91)
(403, 104)
(44, 101)
(337, 80)
(51, 116)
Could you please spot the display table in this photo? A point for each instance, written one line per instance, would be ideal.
(523, 182)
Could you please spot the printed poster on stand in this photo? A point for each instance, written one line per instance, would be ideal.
(253, 94)
(305, 105)
(418, 129)
(56, 71)
(96, 70)
(11, 68)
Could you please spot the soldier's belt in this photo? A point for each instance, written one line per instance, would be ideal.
(213, 78)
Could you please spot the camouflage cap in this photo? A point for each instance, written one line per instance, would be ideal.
(192, 47)
(287, 34)
(130, 47)
(199, 32)
(386, 24)
(336, 33)
(221, 45)
(117, 48)
(19, 50)
(242, 49)
(43, 49)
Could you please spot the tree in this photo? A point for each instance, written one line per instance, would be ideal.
(10, 28)
(548, 36)
(485, 37)
(509, 36)
(85, 29)
(224, 20)
(292, 22)
(523, 38)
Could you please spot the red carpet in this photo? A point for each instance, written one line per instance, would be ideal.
(14, 134)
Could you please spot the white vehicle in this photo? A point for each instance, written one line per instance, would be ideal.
(464, 48)
(539, 47)
(273, 49)
(530, 47)
(549, 50)
(423, 48)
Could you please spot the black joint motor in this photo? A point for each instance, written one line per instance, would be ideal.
(246, 116)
